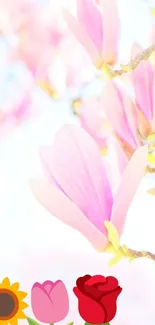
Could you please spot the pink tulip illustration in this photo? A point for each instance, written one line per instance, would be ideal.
(97, 29)
(77, 190)
(50, 302)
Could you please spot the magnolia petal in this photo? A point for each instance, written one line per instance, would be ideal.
(74, 161)
(111, 27)
(111, 99)
(142, 78)
(153, 104)
(121, 157)
(129, 183)
(89, 15)
(131, 115)
(128, 150)
(93, 120)
(65, 210)
(144, 127)
(81, 35)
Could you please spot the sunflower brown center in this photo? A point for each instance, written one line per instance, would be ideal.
(8, 304)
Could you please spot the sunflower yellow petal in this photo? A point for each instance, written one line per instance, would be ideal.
(14, 286)
(21, 315)
(21, 295)
(23, 305)
(3, 322)
(13, 321)
(6, 282)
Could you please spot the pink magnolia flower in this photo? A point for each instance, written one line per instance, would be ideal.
(49, 301)
(17, 104)
(133, 119)
(121, 113)
(39, 41)
(93, 119)
(97, 29)
(77, 190)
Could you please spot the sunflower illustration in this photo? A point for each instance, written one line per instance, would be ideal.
(11, 303)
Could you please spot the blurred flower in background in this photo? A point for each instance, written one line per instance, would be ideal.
(97, 29)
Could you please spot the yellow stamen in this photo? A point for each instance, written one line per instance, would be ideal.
(76, 105)
(48, 89)
(107, 70)
(104, 151)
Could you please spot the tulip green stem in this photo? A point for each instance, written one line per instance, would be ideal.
(31, 321)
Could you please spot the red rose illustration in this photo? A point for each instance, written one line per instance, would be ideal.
(97, 298)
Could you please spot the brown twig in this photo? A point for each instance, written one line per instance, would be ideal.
(137, 254)
(132, 65)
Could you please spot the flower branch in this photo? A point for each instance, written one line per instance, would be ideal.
(132, 65)
(123, 251)
(112, 73)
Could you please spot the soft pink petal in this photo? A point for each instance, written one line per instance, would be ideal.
(93, 120)
(81, 35)
(153, 34)
(65, 210)
(129, 184)
(111, 27)
(131, 115)
(48, 285)
(153, 104)
(89, 15)
(112, 102)
(142, 78)
(40, 298)
(52, 307)
(75, 163)
(121, 157)
(60, 301)
(116, 163)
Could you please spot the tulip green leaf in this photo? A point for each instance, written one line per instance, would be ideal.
(32, 321)
(70, 323)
